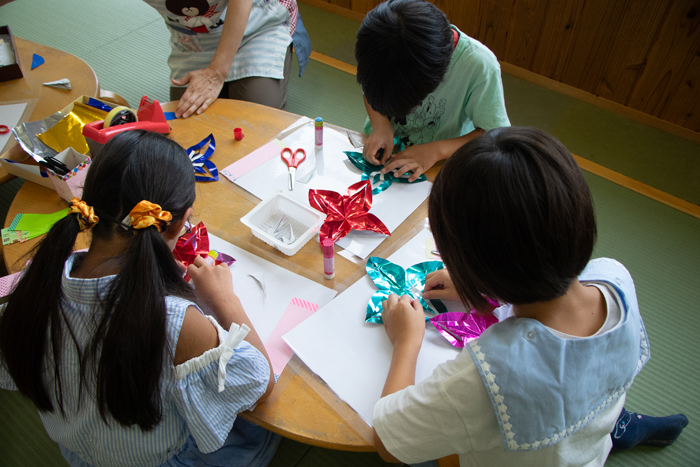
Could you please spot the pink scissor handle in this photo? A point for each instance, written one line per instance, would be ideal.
(291, 157)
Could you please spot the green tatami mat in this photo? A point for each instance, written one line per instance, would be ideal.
(330, 34)
(660, 246)
(328, 93)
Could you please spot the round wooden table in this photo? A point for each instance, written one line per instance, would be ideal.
(301, 407)
(46, 99)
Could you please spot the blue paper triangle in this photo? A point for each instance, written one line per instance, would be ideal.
(37, 60)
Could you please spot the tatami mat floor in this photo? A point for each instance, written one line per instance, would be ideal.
(126, 43)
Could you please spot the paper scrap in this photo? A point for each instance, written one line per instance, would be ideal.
(170, 115)
(278, 350)
(259, 278)
(60, 83)
(253, 160)
(37, 60)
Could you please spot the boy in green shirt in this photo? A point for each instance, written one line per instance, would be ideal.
(425, 82)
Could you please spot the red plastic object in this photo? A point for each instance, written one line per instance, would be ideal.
(237, 134)
(150, 115)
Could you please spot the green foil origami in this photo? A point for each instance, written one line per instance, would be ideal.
(373, 173)
(391, 278)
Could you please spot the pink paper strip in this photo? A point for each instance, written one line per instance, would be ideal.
(278, 350)
(252, 160)
(8, 283)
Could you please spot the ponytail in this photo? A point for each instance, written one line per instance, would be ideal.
(34, 317)
(124, 358)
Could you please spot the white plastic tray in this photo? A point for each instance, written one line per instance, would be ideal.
(305, 220)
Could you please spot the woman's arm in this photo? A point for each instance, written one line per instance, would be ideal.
(204, 86)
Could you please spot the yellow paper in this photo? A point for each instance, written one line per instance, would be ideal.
(68, 132)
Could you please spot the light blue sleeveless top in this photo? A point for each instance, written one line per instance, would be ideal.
(544, 388)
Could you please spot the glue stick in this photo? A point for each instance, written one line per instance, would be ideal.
(318, 132)
(328, 258)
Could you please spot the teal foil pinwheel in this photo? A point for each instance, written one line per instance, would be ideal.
(373, 173)
(391, 278)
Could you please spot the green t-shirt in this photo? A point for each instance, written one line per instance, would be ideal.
(469, 97)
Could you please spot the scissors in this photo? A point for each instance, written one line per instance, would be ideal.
(4, 129)
(293, 159)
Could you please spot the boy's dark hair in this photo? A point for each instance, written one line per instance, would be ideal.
(403, 51)
(122, 362)
(512, 217)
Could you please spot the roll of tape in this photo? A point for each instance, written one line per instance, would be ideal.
(119, 116)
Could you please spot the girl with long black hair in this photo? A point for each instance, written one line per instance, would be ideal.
(110, 345)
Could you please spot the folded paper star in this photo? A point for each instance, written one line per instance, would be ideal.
(373, 172)
(201, 160)
(460, 328)
(346, 212)
(196, 243)
(391, 278)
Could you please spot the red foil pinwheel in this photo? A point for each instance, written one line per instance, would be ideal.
(346, 212)
(196, 243)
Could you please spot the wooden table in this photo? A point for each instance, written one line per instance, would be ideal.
(47, 100)
(295, 409)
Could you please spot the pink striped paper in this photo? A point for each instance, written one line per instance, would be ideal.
(278, 350)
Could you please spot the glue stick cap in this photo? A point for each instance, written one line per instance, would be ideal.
(318, 121)
(327, 247)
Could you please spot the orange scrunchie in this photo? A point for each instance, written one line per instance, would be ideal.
(86, 215)
(146, 214)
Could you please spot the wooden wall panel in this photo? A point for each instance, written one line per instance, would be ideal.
(644, 54)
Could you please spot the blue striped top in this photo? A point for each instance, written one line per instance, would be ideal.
(191, 401)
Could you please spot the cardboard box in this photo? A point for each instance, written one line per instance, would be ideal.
(13, 71)
(19, 163)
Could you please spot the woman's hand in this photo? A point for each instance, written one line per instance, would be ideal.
(439, 286)
(404, 321)
(203, 88)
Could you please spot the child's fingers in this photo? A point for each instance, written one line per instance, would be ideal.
(433, 280)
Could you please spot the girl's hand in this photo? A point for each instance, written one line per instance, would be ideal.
(404, 321)
(203, 88)
(439, 286)
(213, 284)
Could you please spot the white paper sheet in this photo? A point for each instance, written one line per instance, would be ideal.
(333, 171)
(280, 284)
(353, 356)
(10, 114)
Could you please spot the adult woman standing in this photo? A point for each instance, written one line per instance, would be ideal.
(236, 49)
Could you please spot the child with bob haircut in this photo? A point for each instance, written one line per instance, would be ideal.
(110, 344)
(513, 219)
(426, 82)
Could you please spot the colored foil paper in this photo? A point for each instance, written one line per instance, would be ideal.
(461, 328)
(371, 172)
(68, 132)
(196, 243)
(199, 160)
(346, 212)
(391, 278)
